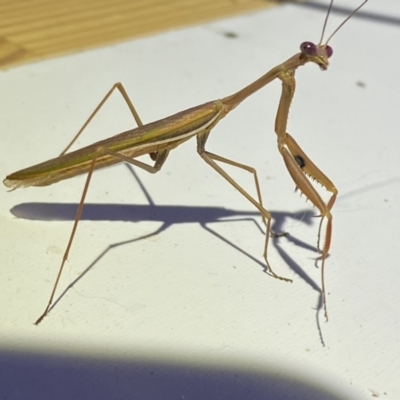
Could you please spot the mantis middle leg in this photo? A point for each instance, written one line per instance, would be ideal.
(211, 159)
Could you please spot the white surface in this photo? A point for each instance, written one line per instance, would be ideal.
(182, 314)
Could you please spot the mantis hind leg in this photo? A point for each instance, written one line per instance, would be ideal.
(128, 101)
(159, 162)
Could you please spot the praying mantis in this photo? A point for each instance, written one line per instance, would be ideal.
(158, 138)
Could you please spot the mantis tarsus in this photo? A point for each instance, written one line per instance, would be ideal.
(158, 138)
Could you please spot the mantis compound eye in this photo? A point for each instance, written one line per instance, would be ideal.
(308, 48)
(329, 51)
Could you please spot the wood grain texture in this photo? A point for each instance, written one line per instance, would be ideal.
(35, 29)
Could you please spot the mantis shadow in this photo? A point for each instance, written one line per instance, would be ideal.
(168, 216)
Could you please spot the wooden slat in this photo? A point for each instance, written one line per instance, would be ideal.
(36, 29)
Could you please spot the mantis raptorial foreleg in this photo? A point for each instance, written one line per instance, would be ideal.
(301, 168)
(311, 170)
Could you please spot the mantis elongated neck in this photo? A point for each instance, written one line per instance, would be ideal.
(232, 101)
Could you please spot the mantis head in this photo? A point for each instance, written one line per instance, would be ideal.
(317, 53)
(320, 53)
